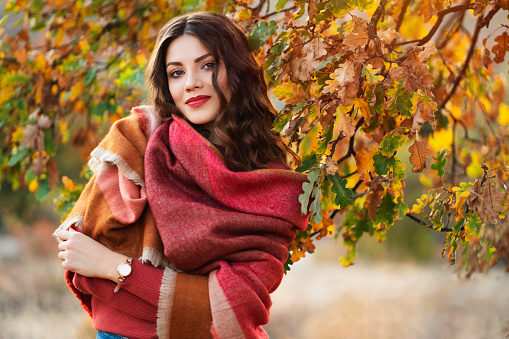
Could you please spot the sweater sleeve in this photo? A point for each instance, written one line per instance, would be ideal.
(138, 294)
(176, 302)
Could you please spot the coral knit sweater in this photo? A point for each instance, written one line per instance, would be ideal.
(133, 309)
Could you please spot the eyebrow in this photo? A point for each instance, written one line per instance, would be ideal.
(177, 63)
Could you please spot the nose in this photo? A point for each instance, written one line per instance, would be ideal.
(193, 82)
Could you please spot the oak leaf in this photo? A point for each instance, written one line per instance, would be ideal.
(364, 161)
(374, 200)
(427, 9)
(494, 200)
(428, 51)
(501, 48)
(359, 35)
(303, 68)
(419, 153)
(331, 166)
(424, 112)
(344, 123)
(390, 36)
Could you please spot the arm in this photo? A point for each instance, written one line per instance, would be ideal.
(174, 300)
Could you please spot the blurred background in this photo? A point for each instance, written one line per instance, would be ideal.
(401, 288)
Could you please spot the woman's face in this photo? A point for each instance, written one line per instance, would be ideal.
(189, 66)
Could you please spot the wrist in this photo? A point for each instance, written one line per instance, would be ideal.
(112, 273)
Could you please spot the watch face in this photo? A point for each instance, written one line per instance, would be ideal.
(124, 269)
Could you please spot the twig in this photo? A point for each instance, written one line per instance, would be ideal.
(440, 18)
(268, 15)
(351, 150)
(422, 223)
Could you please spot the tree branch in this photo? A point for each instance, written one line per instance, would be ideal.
(402, 15)
(481, 22)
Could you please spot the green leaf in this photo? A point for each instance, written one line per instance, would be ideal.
(281, 121)
(261, 32)
(17, 157)
(30, 175)
(402, 104)
(386, 212)
(288, 263)
(456, 229)
(307, 163)
(440, 162)
(90, 76)
(316, 205)
(402, 208)
(344, 195)
(4, 19)
(42, 190)
(328, 61)
(382, 164)
(390, 144)
(307, 187)
(326, 138)
(280, 5)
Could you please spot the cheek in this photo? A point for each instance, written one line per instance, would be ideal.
(174, 91)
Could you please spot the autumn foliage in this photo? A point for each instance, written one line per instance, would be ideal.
(365, 87)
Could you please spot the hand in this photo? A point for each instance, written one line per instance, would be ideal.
(83, 255)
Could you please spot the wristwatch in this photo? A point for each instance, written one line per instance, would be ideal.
(123, 270)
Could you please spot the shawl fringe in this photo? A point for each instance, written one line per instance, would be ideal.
(101, 155)
(165, 303)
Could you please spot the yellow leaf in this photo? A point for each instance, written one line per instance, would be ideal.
(68, 184)
(54, 89)
(76, 90)
(474, 169)
(363, 106)
(84, 45)
(40, 63)
(59, 37)
(503, 114)
(441, 139)
(425, 180)
(17, 136)
(289, 92)
(145, 30)
(32, 187)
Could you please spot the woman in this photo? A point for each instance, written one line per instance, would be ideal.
(200, 259)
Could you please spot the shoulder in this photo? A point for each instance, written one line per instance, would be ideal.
(146, 118)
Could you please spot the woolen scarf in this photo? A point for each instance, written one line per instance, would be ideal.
(225, 232)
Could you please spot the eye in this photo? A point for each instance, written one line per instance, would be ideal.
(176, 74)
(209, 65)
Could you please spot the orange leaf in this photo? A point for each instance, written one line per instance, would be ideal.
(501, 48)
(419, 152)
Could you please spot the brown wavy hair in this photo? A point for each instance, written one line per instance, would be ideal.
(244, 123)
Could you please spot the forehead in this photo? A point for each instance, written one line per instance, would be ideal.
(185, 47)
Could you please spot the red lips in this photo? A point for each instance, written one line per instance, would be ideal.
(197, 101)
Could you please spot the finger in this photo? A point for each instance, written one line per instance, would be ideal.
(62, 245)
(65, 234)
(61, 255)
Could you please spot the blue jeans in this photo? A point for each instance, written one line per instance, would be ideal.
(107, 335)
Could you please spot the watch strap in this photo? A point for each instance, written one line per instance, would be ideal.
(121, 278)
